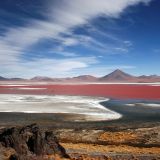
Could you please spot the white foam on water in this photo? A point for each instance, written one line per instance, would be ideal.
(132, 105)
(29, 88)
(82, 105)
(144, 104)
(12, 85)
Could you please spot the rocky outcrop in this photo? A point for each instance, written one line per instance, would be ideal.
(29, 143)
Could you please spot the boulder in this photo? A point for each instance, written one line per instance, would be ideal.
(30, 141)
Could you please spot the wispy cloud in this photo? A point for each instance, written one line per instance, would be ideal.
(156, 50)
(47, 67)
(128, 43)
(66, 54)
(61, 19)
(124, 50)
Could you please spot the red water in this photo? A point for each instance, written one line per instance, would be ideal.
(105, 90)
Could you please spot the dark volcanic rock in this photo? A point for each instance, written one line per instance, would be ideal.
(30, 141)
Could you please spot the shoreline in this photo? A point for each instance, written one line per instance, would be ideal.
(135, 112)
(86, 106)
(132, 117)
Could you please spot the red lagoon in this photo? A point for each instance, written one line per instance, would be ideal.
(106, 90)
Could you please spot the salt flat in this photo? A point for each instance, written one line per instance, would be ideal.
(90, 107)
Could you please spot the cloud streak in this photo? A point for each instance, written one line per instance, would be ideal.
(61, 19)
(47, 67)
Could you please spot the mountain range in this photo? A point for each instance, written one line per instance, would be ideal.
(115, 76)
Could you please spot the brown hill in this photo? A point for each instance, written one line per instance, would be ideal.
(2, 78)
(151, 78)
(84, 78)
(118, 76)
(41, 78)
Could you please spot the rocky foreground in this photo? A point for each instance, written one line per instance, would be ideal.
(32, 143)
(118, 144)
(29, 143)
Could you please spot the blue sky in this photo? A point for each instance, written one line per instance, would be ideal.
(65, 38)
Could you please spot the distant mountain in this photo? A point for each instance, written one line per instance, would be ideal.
(115, 76)
(11, 79)
(2, 78)
(118, 76)
(88, 78)
(17, 79)
(73, 79)
(151, 78)
(40, 78)
(48, 79)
